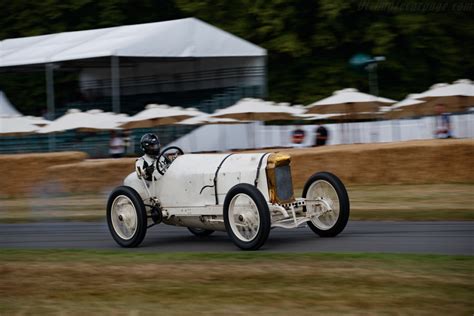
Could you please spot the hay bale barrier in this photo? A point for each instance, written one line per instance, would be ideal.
(413, 162)
(93, 175)
(29, 174)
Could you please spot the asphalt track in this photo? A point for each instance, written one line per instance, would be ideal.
(359, 236)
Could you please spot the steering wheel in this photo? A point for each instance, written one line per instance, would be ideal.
(167, 156)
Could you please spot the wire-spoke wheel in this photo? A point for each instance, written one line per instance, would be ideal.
(327, 203)
(126, 217)
(246, 216)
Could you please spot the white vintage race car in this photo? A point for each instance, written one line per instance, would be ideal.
(244, 194)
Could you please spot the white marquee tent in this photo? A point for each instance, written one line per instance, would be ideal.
(117, 53)
(188, 37)
(6, 108)
(190, 41)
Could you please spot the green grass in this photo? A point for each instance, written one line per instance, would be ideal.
(413, 202)
(74, 207)
(383, 202)
(124, 282)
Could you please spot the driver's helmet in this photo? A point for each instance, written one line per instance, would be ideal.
(150, 144)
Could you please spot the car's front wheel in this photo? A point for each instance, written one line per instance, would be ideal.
(246, 216)
(328, 204)
(126, 217)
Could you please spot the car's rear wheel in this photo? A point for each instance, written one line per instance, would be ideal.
(246, 217)
(126, 217)
(200, 232)
(327, 199)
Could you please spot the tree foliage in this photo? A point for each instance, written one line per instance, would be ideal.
(309, 42)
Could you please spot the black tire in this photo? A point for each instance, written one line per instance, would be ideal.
(165, 162)
(200, 232)
(140, 211)
(263, 212)
(344, 207)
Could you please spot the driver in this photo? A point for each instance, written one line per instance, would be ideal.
(145, 165)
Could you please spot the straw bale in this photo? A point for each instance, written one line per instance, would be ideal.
(412, 162)
(93, 175)
(27, 174)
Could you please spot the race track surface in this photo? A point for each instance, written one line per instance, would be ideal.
(359, 236)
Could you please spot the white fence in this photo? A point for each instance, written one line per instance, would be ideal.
(257, 135)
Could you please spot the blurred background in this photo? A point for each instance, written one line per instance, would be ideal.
(217, 53)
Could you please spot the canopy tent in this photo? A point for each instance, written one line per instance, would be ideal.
(16, 125)
(6, 108)
(251, 109)
(461, 87)
(38, 121)
(259, 110)
(159, 114)
(188, 38)
(13, 123)
(349, 101)
(319, 117)
(405, 108)
(194, 112)
(92, 120)
(296, 110)
(350, 104)
(456, 97)
(207, 120)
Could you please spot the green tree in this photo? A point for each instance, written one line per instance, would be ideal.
(309, 42)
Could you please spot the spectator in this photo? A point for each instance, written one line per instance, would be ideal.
(321, 136)
(442, 122)
(128, 142)
(116, 145)
(298, 137)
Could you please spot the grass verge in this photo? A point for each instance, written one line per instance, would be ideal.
(124, 283)
(435, 202)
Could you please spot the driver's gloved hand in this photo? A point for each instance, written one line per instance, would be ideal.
(149, 170)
